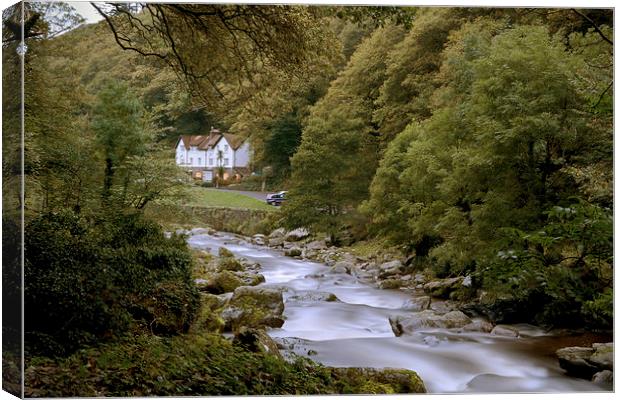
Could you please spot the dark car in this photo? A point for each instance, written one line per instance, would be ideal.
(276, 199)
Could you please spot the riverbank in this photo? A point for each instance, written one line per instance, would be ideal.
(339, 319)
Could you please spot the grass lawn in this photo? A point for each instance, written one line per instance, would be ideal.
(207, 197)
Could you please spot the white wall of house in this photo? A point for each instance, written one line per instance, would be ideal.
(242, 155)
(227, 153)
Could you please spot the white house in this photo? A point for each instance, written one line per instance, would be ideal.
(203, 155)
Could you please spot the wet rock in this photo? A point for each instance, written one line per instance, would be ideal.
(442, 306)
(313, 296)
(230, 264)
(316, 245)
(504, 330)
(309, 254)
(442, 288)
(276, 242)
(427, 319)
(379, 381)
(256, 341)
(221, 282)
(254, 307)
(293, 252)
(296, 235)
(431, 341)
(419, 278)
(390, 268)
(278, 233)
(575, 361)
(603, 356)
(259, 239)
(251, 279)
(478, 326)
(605, 379)
(391, 284)
(342, 267)
(224, 252)
(417, 304)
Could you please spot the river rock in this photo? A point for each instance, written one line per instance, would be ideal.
(390, 268)
(505, 330)
(221, 282)
(313, 296)
(603, 356)
(575, 361)
(342, 267)
(256, 341)
(604, 378)
(276, 242)
(442, 288)
(417, 304)
(230, 264)
(379, 381)
(391, 284)
(478, 326)
(293, 252)
(254, 307)
(316, 245)
(224, 252)
(250, 279)
(427, 319)
(259, 239)
(296, 235)
(278, 233)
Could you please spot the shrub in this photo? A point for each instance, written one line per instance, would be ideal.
(92, 279)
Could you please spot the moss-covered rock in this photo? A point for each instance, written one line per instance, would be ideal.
(254, 307)
(256, 341)
(230, 264)
(224, 252)
(378, 381)
(391, 284)
(221, 282)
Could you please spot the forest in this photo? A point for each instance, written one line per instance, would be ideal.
(471, 142)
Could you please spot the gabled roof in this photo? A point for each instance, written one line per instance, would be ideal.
(204, 142)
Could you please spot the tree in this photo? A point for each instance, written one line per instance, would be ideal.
(118, 127)
(339, 137)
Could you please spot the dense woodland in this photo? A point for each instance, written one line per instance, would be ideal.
(477, 141)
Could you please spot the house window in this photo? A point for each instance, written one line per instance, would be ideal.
(225, 147)
(199, 160)
(191, 160)
(211, 161)
(226, 161)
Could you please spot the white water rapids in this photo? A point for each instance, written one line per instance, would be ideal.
(355, 332)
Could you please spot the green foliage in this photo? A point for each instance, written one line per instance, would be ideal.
(91, 280)
(338, 138)
(567, 264)
(197, 365)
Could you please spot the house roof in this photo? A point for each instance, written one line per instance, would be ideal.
(204, 142)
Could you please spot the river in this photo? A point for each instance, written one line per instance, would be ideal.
(355, 331)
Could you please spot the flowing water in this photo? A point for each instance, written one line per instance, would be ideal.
(355, 332)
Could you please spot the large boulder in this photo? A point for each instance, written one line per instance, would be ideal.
(254, 307)
(278, 233)
(296, 235)
(505, 330)
(603, 356)
(605, 379)
(378, 381)
(390, 268)
(342, 267)
(221, 282)
(316, 245)
(420, 303)
(576, 361)
(427, 319)
(442, 288)
(293, 252)
(224, 252)
(250, 278)
(391, 284)
(276, 242)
